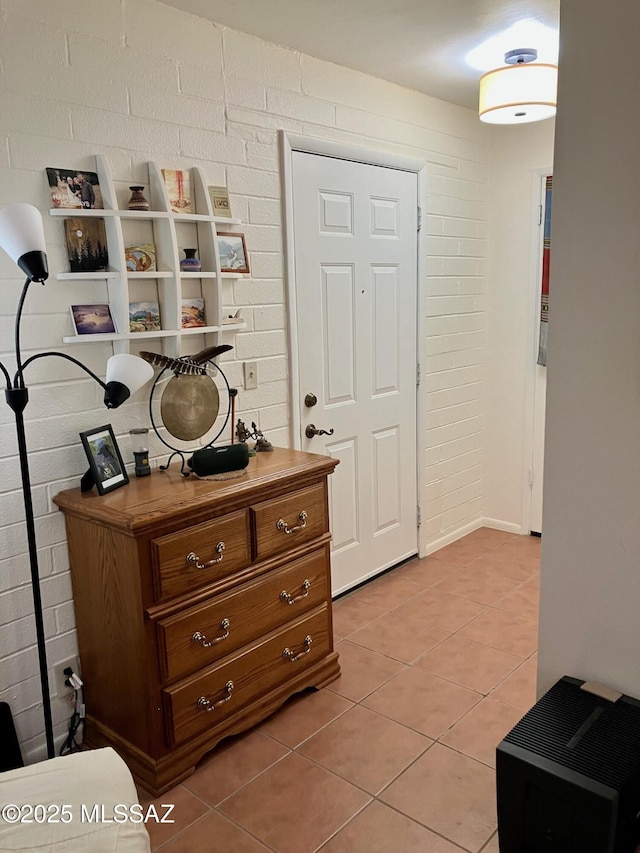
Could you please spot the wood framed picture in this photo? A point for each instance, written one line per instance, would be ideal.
(105, 461)
(86, 244)
(70, 188)
(233, 253)
(94, 319)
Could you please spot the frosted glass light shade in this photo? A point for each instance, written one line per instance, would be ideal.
(516, 94)
(126, 374)
(22, 238)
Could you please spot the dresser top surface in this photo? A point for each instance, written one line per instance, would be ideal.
(147, 500)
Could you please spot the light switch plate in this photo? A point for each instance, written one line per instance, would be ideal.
(250, 375)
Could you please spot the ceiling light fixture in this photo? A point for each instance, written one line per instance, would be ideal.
(521, 91)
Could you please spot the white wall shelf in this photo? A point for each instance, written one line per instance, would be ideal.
(170, 287)
(150, 274)
(78, 276)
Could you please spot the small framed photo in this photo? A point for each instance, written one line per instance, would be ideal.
(70, 188)
(233, 253)
(93, 319)
(104, 458)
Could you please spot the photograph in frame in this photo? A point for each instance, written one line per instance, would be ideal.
(105, 461)
(233, 253)
(72, 188)
(92, 319)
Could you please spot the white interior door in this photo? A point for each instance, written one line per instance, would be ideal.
(355, 246)
(537, 467)
(540, 380)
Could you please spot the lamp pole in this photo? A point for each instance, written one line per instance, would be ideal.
(22, 237)
(17, 398)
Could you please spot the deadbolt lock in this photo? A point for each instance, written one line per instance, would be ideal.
(310, 400)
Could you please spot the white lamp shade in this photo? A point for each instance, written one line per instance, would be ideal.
(516, 94)
(129, 370)
(21, 230)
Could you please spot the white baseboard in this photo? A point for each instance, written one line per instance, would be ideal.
(507, 526)
(449, 538)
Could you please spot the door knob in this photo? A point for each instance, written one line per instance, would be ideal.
(310, 400)
(311, 430)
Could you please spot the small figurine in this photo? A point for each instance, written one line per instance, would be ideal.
(242, 432)
(261, 442)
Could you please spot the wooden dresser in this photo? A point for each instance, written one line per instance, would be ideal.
(200, 606)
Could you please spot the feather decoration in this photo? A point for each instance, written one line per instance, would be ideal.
(187, 365)
(209, 353)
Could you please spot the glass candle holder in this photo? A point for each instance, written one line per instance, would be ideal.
(140, 445)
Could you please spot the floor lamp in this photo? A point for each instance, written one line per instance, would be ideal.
(22, 237)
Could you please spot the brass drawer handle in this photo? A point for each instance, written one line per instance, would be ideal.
(199, 637)
(281, 524)
(287, 654)
(284, 595)
(194, 560)
(207, 704)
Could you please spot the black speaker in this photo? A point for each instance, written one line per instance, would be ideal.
(218, 460)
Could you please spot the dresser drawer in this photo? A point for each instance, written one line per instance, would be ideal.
(284, 523)
(196, 556)
(203, 700)
(200, 636)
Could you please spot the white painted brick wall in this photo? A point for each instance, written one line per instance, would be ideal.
(111, 77)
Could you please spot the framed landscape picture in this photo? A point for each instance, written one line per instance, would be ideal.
(70, 188)
(144, 317)
(92, 319)
(233, 253)
(140, 258)
(86, 244)
(192, 313)
(104, 458)
(178, 189)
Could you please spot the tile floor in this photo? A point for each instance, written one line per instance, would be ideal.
(397, 755)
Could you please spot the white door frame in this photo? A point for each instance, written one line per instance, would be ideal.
(290, 142)
(533, 311)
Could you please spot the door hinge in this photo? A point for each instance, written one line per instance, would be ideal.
(531, 476)
(419, 218)
(418, 374)
(539, 214)
(418, 516)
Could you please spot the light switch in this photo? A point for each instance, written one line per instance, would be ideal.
(250, 375)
